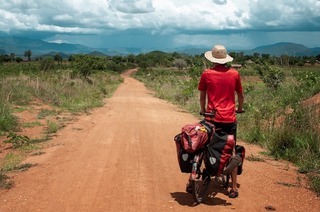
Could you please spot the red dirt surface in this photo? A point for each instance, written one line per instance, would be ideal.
(122, 157)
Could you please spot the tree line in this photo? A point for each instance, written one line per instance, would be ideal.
(163, 59)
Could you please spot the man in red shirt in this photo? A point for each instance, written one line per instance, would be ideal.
(218, 86)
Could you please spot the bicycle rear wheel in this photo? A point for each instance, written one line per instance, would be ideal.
(200, 187)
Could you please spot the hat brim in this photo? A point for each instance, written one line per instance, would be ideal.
(209, 57)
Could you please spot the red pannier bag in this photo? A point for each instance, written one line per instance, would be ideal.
(218, 152)
(195, 136)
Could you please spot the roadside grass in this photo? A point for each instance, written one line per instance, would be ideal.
(65, 90)
(46, 112)
(11, 161)
(8, 122)
(5, 182)
(17, 140)
(52, 127)
(22, 145)
(276, 117)
(31, 124)
(61, 89)
(315, 183)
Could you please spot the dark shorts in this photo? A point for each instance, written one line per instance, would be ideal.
(229, 128)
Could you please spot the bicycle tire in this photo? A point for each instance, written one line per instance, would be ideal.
(200, 187)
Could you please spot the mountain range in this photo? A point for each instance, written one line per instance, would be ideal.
(40, 48)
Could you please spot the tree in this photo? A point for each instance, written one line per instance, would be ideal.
(58, 58)
(131, 58)
(256, 56)
(180, 63)
(272, 77)
(312, 60)
(19, 59)
(6, 58)
(46, 64)
(28, 54)
(12, 56)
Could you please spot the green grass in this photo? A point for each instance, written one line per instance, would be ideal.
(61, 89)
(45, 113)
(17, 140)
(52, 127)
(8, 122)
(315, 183)
(31, 124)
(10, 162)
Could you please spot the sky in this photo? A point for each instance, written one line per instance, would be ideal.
(161, 24)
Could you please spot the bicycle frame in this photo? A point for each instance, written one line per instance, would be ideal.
(200, 178)
(197, 160)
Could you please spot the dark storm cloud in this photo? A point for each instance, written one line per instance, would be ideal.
(162, 22)
(220, 1)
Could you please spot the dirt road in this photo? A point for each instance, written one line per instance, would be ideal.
(122, 158)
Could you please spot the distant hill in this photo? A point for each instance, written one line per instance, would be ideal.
(291, 49)
(96, 53)
(19, 45)
(52, 54)
(39, 48)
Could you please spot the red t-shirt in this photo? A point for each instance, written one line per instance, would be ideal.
(220, 84)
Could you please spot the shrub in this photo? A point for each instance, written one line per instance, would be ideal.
(5, 183)
(17, 140)
(46, 64)
(271, 76)
(8, 122)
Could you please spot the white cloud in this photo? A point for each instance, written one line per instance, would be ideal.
(206, 15)
(161, 14)
(50, 28)
(287, 15)
(58, 41)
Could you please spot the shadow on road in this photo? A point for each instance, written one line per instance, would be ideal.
(186, 199)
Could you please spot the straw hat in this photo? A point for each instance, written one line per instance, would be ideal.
(218, 54)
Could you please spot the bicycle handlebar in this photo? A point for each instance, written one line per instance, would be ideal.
(207, 114)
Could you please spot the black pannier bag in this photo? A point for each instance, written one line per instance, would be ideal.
(241, 151)
(219, 151)
(184, 158)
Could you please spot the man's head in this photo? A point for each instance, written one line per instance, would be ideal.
(218, 54)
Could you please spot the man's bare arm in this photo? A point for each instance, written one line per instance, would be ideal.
(240, 101)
